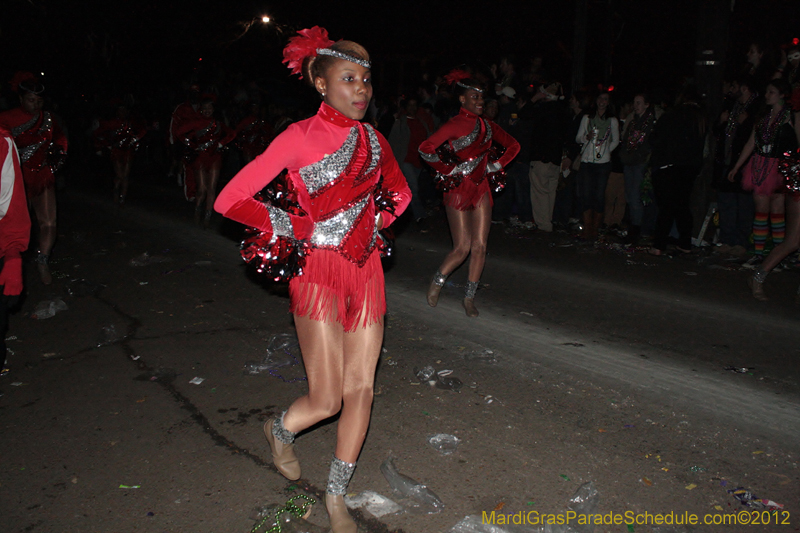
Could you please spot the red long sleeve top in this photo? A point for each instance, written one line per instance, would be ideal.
(335, 165)
(470, 137)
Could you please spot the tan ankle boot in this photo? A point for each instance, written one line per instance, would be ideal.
(282, 454)
(341, 521)
(757, 289)
(469, 307)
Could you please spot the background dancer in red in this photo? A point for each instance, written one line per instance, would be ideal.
(121, 136)
(338, 170)
(42, 149)
(463, 152)
(253, 134)
(185, 111)
(15, 230)
(204, 138)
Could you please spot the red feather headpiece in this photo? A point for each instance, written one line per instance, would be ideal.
(456, 75)
(31, 82)
(304, 45)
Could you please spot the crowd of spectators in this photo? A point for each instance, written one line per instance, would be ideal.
(602, 162)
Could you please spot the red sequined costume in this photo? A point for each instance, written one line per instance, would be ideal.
(183, 113)
(470, 138)
(40, 141)
(335, 164)
(253, 135)
(202, 138)
(121, 136)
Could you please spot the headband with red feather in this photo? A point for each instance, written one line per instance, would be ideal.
(311, 43)
(26, 81)
(457, 76)
(303, 45)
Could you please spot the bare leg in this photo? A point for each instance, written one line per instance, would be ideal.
(780, 252)
(118, 171)
(792, 241)
(200, 195)
(361, 351)
(126, 172)
(44, 206)
(460, 233)
(322, 345)
(480, 221)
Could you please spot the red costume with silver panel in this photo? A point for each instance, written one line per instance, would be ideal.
(253, 135)
(39, 140)
(469, 137)
(336, 166)
(203, 137)
(121, 136)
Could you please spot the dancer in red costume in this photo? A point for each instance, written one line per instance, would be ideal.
(42, 148)
(461, 152)
(337, 167)
(121, 136)
(185, 111)
(204, 138)
(253, 134)
(15, 229)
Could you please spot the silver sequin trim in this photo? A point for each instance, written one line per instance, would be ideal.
(429, 158)
(325, 171)
(462, 142)
(464, 85)
(206, 145)
(488, 133)
(472, 287)
(467, 167)
(27, 152)
(22, 128)
(332, 231)
(375, 147)
(439, 278)
(760, 276)
(346, 57)
(280, 432)
(281, 223)
(339, 476)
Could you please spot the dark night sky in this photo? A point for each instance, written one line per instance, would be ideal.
(90, 43)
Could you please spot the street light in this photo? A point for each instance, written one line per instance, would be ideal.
(265, 19)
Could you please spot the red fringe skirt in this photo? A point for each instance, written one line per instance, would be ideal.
(332, 289)
(468, 195)
(37, 180)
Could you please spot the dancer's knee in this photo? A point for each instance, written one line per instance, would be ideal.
(478, 249)
(359, 396)
(326, 407)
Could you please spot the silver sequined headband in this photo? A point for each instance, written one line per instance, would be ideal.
(464, 85)
(347, 57)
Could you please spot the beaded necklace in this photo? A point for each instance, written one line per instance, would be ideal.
(638, 130)
(597, 125)
(733, 124)
(767, 129)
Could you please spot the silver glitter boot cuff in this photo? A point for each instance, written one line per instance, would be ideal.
(42, 259)
(339, 477)
(759, 276)
(280, 432)
(472, 287)
(439, 278)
